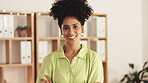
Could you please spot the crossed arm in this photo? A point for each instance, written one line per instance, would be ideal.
(49, 80)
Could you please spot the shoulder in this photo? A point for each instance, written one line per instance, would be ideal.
(88, 52)
(92, 55)
(52, 56)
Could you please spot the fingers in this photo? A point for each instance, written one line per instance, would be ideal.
(48, 78)
(46, 81)
(43, 81)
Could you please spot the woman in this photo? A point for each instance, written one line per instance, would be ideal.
(72, 63)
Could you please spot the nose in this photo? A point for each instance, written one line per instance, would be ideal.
(71, 31)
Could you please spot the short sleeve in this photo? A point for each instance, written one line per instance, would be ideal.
(46, 69)
(96, 72)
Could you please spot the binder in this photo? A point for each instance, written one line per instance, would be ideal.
(94, 45)
(1, 32)
(101, 49)
(2, 52)
(96, 26)
(25, 52)
(45, 46)
(1, 26)
(55, 29)
(92, 26)
(44, 49)
(85, 30)
(101, 27)
(5, 29)
(11, 26)
(28, 52)
(41, 51)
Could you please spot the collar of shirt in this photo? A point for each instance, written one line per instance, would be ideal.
(82, 53)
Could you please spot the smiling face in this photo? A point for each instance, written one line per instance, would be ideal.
(71, 29)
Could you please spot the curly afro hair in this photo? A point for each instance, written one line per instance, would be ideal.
(71, 8)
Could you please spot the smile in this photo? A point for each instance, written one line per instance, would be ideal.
(72, 37)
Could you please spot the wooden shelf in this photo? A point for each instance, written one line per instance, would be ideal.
(22, 38)
(34, 37)
(11, 46)
(6, 65)
(57, 41)
(83, 38)
(104, 15)
(17, 38)
(42, 13)
(14, 13)
(100, 38)
(104, 61)
(48, 38)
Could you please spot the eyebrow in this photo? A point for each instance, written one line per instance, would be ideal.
(76, 24)
(72, 24)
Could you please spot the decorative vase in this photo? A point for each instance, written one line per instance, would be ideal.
(22, 33)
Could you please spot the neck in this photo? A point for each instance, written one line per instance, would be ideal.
(72, 48)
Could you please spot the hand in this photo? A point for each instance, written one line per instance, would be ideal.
(46, 81)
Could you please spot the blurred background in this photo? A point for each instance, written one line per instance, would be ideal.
(127, 30)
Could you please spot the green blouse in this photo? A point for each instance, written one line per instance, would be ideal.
(86, 67)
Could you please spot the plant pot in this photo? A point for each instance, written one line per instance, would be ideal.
(22, 33)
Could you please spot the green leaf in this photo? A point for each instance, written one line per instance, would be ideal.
(146, 69)
(22, 28)
(136, 76)
(131, 65)
(145, 81)
(125, 76)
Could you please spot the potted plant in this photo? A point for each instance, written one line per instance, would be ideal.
(22, 30)
(136, 76)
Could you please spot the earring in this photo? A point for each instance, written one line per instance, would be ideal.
(82, 34)
(61, 36)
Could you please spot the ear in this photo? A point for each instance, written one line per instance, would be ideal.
(61, 31)
(82, 29)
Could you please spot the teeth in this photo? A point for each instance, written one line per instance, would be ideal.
(72, 37)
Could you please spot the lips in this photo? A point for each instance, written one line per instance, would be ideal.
(72, 37)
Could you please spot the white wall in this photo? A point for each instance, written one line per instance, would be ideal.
(124, 29)
(145, 29)
(124, 34)
(26, 5)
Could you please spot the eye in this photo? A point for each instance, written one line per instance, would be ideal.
(75, 27)
(65, 28)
